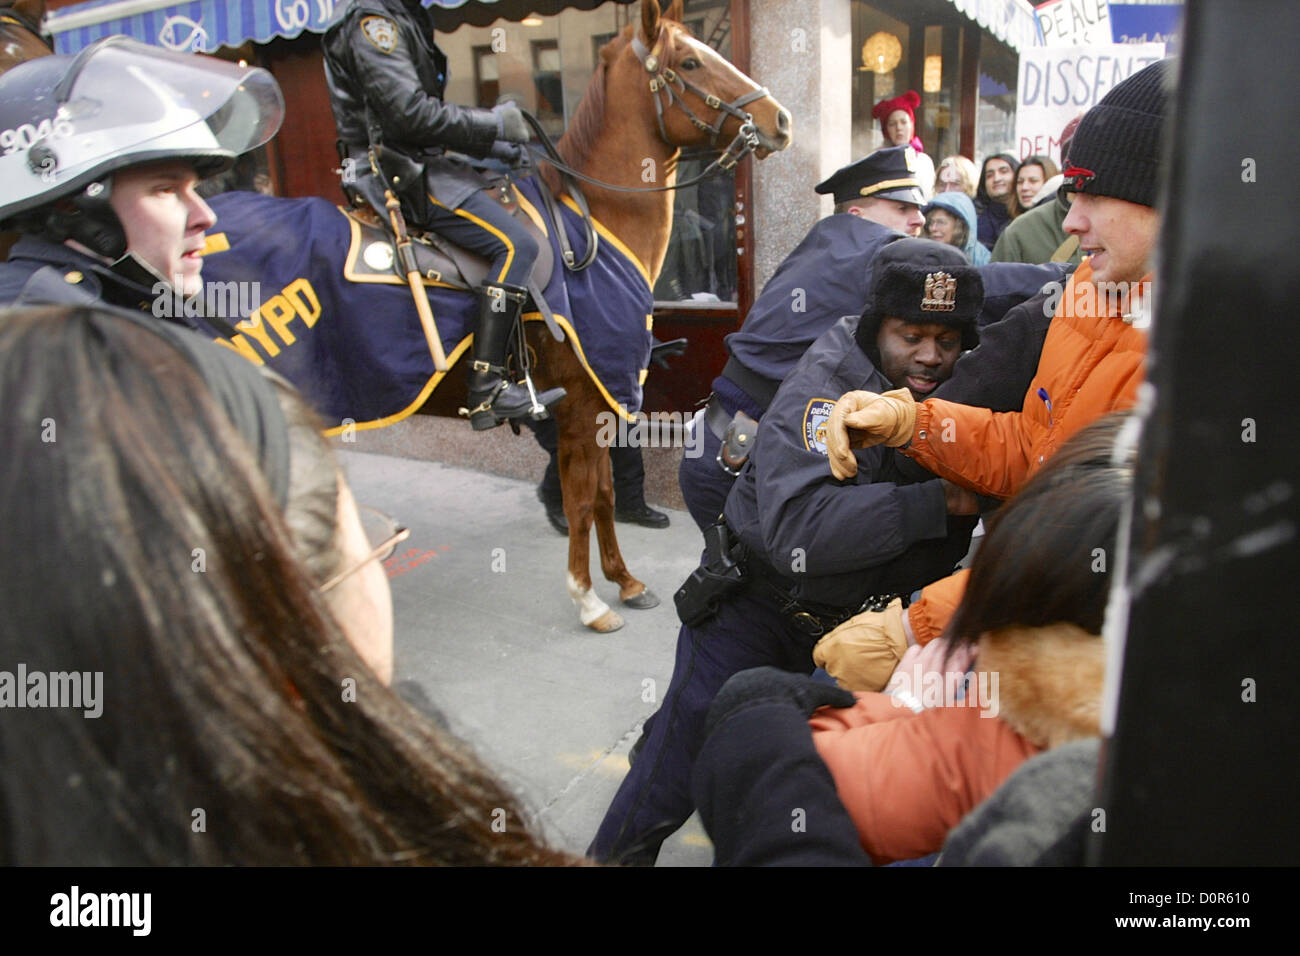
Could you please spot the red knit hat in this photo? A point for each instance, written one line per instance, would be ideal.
(908, 103)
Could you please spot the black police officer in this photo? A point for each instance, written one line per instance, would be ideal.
(810, 549)
(827, 276)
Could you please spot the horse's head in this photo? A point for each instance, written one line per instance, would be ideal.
(701, 98)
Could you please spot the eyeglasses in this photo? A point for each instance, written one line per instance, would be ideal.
(383, 533)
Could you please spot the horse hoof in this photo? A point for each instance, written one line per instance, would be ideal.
(643, 601)
(606, 623)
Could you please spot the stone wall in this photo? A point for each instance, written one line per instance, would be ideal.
(800, 50)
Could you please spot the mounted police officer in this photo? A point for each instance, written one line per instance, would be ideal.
(800, 552)
(386, 78)
(110, 147)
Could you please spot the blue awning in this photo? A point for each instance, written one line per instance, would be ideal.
(203, 25)
(197, 25)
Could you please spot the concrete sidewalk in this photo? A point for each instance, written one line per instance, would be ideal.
(485, 627)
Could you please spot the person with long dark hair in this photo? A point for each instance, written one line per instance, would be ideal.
(231, 657)
(995, 197)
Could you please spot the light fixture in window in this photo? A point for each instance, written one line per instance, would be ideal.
(881, 53)
(532, 20)
(932, 80)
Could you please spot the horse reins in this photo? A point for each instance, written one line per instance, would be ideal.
(674, 84)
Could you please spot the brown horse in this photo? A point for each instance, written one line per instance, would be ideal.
(20, 39)
(613, 145)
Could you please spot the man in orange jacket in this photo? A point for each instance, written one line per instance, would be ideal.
(1092, 363)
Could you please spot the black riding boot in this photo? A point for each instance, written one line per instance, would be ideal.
(493, 398)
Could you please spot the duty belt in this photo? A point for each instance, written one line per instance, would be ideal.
(808, 617)
(757, 387)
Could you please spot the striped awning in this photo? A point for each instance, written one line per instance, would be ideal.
(203, 25)
(1011, 21)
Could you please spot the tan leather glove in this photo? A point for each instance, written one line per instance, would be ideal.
(863, 651)
(863, 419)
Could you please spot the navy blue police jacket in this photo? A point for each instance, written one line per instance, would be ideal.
(46, 273)
(39, 272)
(828, 275)
(838, 542)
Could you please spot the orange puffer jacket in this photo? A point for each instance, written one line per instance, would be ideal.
(1092, 363)
(906, 779)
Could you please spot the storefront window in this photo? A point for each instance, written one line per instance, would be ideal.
(901, 45)
(881, 66)
(546, 65)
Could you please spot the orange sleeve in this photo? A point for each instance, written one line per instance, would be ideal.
(985, 451)
(931, 612)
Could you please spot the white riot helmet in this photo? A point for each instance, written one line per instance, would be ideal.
(67, 123)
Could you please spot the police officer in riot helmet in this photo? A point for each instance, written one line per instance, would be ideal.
(386, 78)
(104, 152)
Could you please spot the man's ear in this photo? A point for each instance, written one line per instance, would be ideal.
(649, 22)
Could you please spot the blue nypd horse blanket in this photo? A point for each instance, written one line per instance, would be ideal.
(353, 344)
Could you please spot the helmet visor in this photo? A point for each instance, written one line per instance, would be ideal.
(121, 103)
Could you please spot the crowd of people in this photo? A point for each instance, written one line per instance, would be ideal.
(188, 535)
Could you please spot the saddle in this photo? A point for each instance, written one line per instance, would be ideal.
(440, 260)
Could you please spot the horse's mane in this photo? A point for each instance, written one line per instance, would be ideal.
(579, 139)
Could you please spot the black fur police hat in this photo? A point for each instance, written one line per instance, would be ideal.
(886, 173)
(924, 282)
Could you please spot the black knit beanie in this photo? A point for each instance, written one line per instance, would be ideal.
(1116, 149)
(898, 289)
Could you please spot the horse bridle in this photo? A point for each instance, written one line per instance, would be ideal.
(674, 84)
(664, 79)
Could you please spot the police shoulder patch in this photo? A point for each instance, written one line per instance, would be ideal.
(381, 32)
(815, 417)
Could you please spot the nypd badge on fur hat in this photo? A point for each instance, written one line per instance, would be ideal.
(925, 294)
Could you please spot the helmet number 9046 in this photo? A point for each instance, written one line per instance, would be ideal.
(27, 135)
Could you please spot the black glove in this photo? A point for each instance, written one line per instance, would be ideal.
(514, 128)
(772, 683)
(661, 352)
(512, 154)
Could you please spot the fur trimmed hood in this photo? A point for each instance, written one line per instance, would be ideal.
(1049, 681)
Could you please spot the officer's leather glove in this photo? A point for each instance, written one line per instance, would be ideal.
(864, 419)
(507, 152)
(511, 123)
(863, 651)
(771, 684)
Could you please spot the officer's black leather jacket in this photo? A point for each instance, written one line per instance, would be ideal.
(400, 74)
